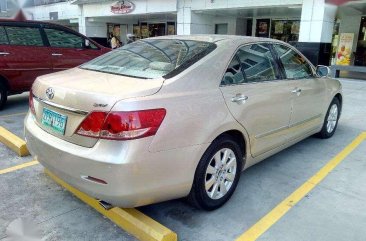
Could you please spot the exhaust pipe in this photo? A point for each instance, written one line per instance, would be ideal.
(105, 205)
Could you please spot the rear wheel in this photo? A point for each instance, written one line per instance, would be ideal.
(217, 174)
(331, 120)
(3, 95)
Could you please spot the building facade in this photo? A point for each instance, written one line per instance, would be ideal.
(324, 32)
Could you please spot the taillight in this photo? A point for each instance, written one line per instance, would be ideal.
(92, 124)
(31, 103)
(124, 125)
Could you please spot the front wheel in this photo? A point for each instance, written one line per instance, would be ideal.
(331, 120)
(217, 174)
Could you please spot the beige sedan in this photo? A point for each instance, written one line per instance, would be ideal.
(178, 116)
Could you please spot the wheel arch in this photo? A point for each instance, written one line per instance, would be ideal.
(4, 81)
(240, 138)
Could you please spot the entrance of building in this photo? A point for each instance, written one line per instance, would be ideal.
(157, 29)
(360, 55)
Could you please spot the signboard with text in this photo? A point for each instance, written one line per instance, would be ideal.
(122, 7)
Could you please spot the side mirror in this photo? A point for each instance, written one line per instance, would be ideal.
(322, 70)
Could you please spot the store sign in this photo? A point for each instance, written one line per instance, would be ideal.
(122, 7)
(344, 51)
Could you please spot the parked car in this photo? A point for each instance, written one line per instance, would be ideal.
(178, 116)
(29, 49)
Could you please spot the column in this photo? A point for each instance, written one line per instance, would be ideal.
(316, 29)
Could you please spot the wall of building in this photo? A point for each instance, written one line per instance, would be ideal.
(64, 10)
(350, 24)
(141, 7)
(216, 4)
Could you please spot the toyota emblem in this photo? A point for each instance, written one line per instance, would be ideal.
(50, 93)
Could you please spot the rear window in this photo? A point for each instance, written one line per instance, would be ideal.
(151, 58)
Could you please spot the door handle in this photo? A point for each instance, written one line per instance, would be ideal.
(239, 98)
(56, 54)
(4, 53)
(296, 91)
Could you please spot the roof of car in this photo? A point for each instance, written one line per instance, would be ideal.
(213, 38)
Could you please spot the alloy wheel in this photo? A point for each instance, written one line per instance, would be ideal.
(220, 173)
(332, 118)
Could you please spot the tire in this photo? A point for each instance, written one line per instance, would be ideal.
(223, 177)
(331, 120)
(3, 95)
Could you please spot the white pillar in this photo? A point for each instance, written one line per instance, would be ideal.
(184, 19)
(82, 20)
(317, 21)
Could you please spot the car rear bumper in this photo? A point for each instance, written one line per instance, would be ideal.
(134, 176)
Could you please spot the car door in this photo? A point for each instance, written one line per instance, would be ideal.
(69, 49)
(257, 97)
(308, 92)
(25, 57)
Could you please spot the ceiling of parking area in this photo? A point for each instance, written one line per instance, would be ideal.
(354, 7)
(289, 11)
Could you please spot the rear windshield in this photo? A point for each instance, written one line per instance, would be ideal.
(151, 58)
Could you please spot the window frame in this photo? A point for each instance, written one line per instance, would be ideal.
(67, 30)
(24, 25)
(278, 72)
(282, 67)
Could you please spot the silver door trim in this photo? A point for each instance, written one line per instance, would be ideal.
(304, 121)
(271, 132)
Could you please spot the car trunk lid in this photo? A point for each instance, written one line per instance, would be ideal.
(72, 94)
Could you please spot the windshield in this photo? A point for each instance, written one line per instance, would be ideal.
(151, 58)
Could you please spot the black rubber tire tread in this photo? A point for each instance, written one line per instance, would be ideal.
(324, 134)
(4, 97)
(198, 196)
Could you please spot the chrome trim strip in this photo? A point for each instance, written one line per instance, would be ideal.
(307, 120)
(287, 127)
(69, 109)
(271, 132)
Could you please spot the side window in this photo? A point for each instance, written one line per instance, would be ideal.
(63, 39)
(252, 63)
(296, 67)
(28, 36)
(233, 74)
(3, 37)
(257, 63)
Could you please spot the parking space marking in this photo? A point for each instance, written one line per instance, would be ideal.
(13, 142)
(15, 114)
(129, 219)
(21, 166)
(282, 208)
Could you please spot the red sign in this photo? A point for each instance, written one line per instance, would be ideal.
(122, 7)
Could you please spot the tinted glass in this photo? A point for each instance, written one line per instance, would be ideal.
(63, 39)
(296, 67)
(28, 36)
(3, 38)
(233, 74)
(257, 63)
(150, 58)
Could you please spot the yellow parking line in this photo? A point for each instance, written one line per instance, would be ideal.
(13, 142)
(15, 114)
(14, 168)
(131, 220)
(281, 209)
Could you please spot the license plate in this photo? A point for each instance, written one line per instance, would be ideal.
(54, 121)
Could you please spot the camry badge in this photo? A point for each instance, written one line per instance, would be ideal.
(50, 93)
